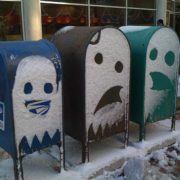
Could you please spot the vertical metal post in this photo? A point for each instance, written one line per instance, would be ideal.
(126, 138)
(126, 13)
(174, 14)
(89, 14)
(31, 17)
(161, 7)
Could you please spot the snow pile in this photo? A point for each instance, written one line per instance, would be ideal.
(135, 168)
(160, 164)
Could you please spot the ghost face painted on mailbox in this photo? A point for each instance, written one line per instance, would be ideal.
(107, 79)
(36, 99)
(161, 73)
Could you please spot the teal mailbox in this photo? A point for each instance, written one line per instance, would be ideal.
(155, 62)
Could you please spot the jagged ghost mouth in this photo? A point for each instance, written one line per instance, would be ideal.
(109, 97)
(38, 107)
(160, 81)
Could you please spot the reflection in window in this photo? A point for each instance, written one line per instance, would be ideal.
(110, 3)
(55, 17)
(107, 16)
(177, 6)
(142, 3)
(170, 19)
(141, 17)
(10, 21)
(170, 5)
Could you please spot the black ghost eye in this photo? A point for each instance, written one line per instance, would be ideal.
(119, 67)
(169, 58)
(153, 54)
(28, 88)
(48, 88)
(98, 58)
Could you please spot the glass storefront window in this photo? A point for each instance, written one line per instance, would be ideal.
(177, 6)
(69, 1)
(107, 16)
(10, 21)
(141, 17)
(142, 3)
(170, 5)
(55, 17)
(177, 26)
(170, 19)
(110, 3)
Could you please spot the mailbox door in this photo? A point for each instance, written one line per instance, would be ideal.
(107, 83)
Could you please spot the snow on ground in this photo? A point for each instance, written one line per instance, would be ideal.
(104, 155)
(161, 164)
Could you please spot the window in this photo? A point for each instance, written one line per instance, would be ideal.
(170, 5)
(69, 1)
(95, 13)
(109, 3)
(177, 26)
(178, 7)
(10, 21)
(55, 17)
(141, 17)
(107, 16)
(151, 4)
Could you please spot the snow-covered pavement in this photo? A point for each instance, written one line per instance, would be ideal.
(106, 155)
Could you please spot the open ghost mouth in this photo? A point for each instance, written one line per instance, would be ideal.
(160, 81)
(39, 107)
(109, 97)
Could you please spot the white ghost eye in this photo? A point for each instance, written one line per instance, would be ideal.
(153, 54)
(118, 67)
(98, 58)
(169, 58)
(48, 88)
(28, 88)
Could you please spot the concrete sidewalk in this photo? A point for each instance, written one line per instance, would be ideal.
(109, 154)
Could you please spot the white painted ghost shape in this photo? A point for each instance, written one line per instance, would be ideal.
(161, 71)
(107, 78)
(36, 99)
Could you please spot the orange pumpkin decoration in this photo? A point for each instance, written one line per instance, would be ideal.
(82, 20)
(46, 20)
(58, 19)
(66, 20)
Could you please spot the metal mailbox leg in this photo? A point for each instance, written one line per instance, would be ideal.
(173, 120)
(85, 152)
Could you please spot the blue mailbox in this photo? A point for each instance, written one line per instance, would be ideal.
(30, 98)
